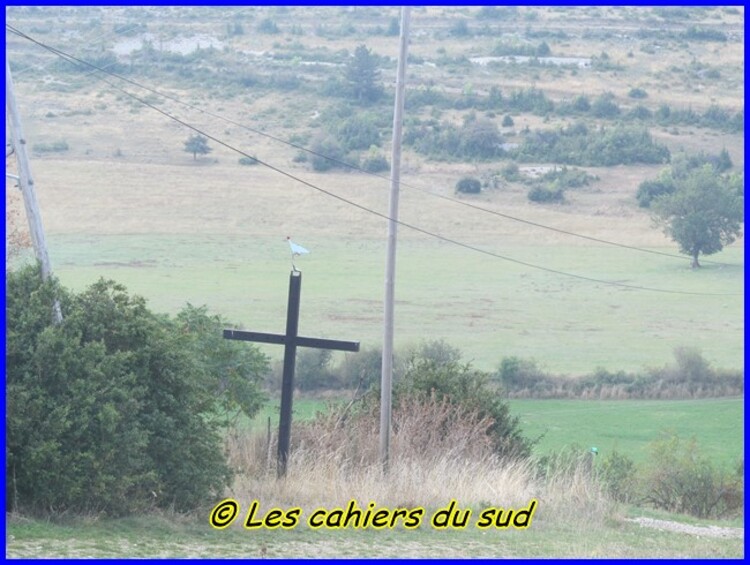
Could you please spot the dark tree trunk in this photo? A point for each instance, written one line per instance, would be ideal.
(695, 264)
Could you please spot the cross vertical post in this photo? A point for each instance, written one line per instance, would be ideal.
(291, 340)
(287, 380)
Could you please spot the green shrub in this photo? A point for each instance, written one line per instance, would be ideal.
(511, 173)
(617, 473)
(362, 369)
(605, 107)
(326, 149)
(375, 163)
(460, 29)
(540, 193)
(576, 145)
(468, 185)
(568, 461)
(475, 139)
(637, 93)
(582, 103)
(52, 147)
(109, 411)
(517, 374)
(359, 132)
(694, 33)
(648, 190)
(469, 388)
(679, 478)
(567, 178)
(314, 372)
(507, 121)
(268, 26)
(639, 113)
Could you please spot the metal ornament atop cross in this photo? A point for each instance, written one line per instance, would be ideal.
(290, 340)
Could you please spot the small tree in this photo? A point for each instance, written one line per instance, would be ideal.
(363, 75)
(703, 214)
(197, 144)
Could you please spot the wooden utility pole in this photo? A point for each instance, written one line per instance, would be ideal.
(26, 183)
(386, 377)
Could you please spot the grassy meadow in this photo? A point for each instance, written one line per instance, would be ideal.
(487, 307)
(600, 423)
(120, 198)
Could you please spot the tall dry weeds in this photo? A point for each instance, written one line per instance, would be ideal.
(439, 451)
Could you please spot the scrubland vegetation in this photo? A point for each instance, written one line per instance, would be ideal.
(622, 124)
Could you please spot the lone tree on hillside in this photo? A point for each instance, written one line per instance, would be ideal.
(363, 76)
(704, 213)
(196, 144)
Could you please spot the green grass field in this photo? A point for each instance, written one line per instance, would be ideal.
(628, 426)
(488, 307)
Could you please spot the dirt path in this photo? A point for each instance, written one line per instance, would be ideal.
(708, 531)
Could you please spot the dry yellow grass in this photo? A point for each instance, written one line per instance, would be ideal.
(438, 453)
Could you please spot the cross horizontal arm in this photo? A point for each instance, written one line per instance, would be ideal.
(318, 343)
(327, 343)
(261, 337)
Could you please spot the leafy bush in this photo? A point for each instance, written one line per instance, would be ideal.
(606, 147)
(605, 107)
(637, 93)
(639, 113)
(705, 34)
(468, 185)
(231, 371)
(460, 29)
(326, 148)
(511, 172)
(648, 190)
(515, 374)
(362, 369)
(476, 139)
(507, 121)
(682, 167)
(617, 472)
(530, 100)
(505, 49)
(468, 388)
(268, 26)
(52, 147)
(567, 178)
(375, 163)
(540, 193)
(109, 411)
(313, 370)
(359, 132)
(681, 479)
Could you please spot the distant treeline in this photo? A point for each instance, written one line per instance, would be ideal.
(690, 376)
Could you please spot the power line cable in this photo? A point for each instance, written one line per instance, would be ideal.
(357, 168)
(380, 214)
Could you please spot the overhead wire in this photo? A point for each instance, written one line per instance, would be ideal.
(354, 204)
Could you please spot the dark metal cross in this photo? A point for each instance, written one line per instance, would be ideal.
(291, 341)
